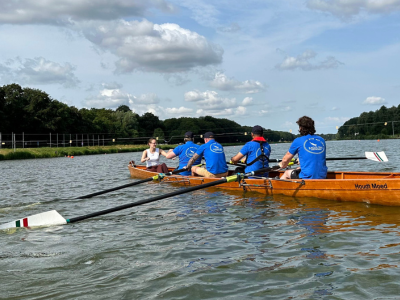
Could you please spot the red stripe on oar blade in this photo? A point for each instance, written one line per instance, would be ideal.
(25, 222)
(377, 157)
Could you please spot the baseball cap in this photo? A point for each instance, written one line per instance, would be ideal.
(189, 134)
(208, 135)
(257, 129)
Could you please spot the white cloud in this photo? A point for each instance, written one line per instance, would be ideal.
(181, 111)
(335, 120)
(67, 11)
(374, 100)
(290, 125)
(194, 96)
(112, 98)
(142, 45)
(210, 100)
(111, 85)
(177, 79)
(348, 8)
(205, 14)
(150, 98)
(228, 112)
(283, 108)
(302, 62)
(108, 99)
(316, 106)
(241, 111)
(233, 27)
(39, 71)
(222, 82)
(247, 101)
(210, 103)
(263, 112)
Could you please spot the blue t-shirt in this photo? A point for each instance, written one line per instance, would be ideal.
(252, 150)
(214, 155)
(185, 152)
(312, 156)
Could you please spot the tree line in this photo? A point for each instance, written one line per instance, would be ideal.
(382, 123)
(33, 111)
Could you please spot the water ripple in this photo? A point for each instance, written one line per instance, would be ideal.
(209, 244)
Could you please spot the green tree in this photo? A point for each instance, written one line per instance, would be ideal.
(123, 108)
(148, 123)
(126, 123)
(14, 103)
(3, 117)
(158, 132)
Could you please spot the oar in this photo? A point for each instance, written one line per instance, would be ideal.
(156, 177)
(244, 165)
(52, 217)
(375, 156)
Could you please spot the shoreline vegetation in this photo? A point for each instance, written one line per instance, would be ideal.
(47, 152)
(31, 153)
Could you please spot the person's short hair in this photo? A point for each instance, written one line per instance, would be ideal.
(257, 130)
(209, 135)
(306, 125)
(186, 139)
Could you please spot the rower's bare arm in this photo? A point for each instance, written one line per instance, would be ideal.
(237, 157)
(163, 153)
(286, 160)
(192, 160)
(144, 156)
(170, 154)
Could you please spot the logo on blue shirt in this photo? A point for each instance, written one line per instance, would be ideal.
(314, 146)
(190, 151)
(216, 148)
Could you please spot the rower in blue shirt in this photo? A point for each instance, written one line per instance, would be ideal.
(311, 149)
(214, 155)
(257, 152)
(185, 152)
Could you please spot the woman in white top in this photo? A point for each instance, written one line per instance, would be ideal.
(152, 158)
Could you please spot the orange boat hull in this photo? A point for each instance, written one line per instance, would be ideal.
(369, 187)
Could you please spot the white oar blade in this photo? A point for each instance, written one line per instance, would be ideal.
(48, 218)
(376, 156)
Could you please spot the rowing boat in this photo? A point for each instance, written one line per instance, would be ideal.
(380, 188)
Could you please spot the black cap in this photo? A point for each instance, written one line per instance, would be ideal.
(257, 130)
(209, 135)
(189, 135)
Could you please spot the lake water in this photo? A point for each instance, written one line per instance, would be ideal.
(208, 244)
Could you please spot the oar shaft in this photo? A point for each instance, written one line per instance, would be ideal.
(115, 189)
(345, 158)
(163, 196)
(275, 160)
(132, 184)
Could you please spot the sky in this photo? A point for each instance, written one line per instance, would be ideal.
(256, 62)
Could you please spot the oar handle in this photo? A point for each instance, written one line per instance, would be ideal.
(263, 170)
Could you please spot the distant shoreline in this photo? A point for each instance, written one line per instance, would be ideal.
(30, 153)
(47, 152)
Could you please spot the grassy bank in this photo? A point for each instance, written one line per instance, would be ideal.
(29, 153)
